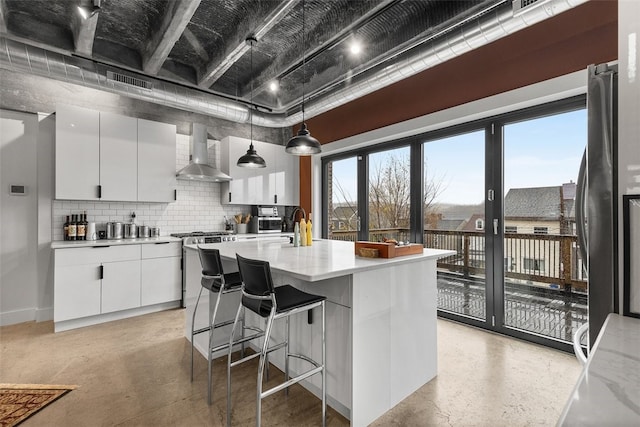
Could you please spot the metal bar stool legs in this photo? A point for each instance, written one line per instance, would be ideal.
(260, 296)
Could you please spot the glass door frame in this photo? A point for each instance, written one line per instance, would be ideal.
(494, 209)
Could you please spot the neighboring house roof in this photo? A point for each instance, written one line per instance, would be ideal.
(343, 213)
(471, 224)
(461, 212)
(541, 203)
(449, 224)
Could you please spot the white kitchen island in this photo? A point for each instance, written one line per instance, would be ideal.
(381, 318)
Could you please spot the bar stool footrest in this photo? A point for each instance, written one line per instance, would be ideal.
(291, 382)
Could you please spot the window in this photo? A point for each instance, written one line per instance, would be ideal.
(510, 229)
(540, 230)
(533, 264)
(479, 224)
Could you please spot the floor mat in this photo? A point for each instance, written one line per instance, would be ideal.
(19, 401)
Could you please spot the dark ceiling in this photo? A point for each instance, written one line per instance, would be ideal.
(202, 42)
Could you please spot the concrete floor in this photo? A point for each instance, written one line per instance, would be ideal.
(135, 372)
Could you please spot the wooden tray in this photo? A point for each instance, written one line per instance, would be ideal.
(390, 250)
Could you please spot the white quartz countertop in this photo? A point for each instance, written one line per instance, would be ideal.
(62, 244)
(608, 391)
(323, 260)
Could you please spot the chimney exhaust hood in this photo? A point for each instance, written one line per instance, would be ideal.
(198, 169)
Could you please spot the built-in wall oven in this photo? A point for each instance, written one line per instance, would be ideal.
(196, 237)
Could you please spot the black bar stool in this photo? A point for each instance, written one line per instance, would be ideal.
(260, 296)
(216, 281)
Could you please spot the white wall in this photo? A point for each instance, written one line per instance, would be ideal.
(628, 116)
(45, 173)
(18, 217)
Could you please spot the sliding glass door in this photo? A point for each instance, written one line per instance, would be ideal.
(544, 285)
(341, 182)
(500, 193)
(454, 219)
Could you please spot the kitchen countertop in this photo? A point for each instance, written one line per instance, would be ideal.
(251, 236)
(62, 244)
(323, 260)
(608, 391)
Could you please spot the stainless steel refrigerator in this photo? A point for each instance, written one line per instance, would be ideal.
(596, 208)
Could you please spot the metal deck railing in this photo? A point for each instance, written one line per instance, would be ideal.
(545, 287)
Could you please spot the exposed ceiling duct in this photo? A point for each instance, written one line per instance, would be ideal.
(452, 42)
(198, 168)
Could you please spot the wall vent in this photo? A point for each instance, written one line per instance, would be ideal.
(519, 5)
(128, 80)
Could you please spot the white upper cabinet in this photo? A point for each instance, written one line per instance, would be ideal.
(277, 184)
(77, 153)
(106, 156)
(118, 157)
(156, 161)
(287, 177)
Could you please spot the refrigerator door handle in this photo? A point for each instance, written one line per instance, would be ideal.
(581, 220)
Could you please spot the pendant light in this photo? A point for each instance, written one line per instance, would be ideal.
(303, 144)
(251, 159)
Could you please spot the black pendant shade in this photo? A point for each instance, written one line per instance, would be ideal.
(303, 144)
(251, 159)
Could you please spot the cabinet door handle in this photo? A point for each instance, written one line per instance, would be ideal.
(162, 243)
(101, 246)
(99, 191)
(229, 196)
(101, 272)
(175, 194)
(275, 198)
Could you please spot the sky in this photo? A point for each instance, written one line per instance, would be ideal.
(537, 153)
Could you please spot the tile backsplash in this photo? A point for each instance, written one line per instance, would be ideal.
(197, 208)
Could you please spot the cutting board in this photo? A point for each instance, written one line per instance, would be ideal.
(390, 250)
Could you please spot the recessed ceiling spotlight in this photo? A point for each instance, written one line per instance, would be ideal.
(355, 47)
(274, 86)
(89, 8)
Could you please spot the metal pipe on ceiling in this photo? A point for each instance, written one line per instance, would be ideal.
(20, 57)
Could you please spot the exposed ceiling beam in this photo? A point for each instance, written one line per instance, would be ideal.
(3, 17)
(84, 33)
(282, 66)
(216, 68)
(174, 22)
(195, 44)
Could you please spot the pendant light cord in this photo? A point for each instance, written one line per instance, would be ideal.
(251, 109)
(304, 66)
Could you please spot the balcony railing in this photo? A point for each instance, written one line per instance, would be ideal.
(531, 259)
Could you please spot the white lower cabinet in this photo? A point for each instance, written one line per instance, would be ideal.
(77, 291)
(100, 280)
(161, 279)
(120, 286)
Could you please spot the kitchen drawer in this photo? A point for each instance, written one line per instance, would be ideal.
(96, 255)
(161, 249)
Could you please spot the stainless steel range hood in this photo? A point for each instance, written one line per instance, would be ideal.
(198, 169)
